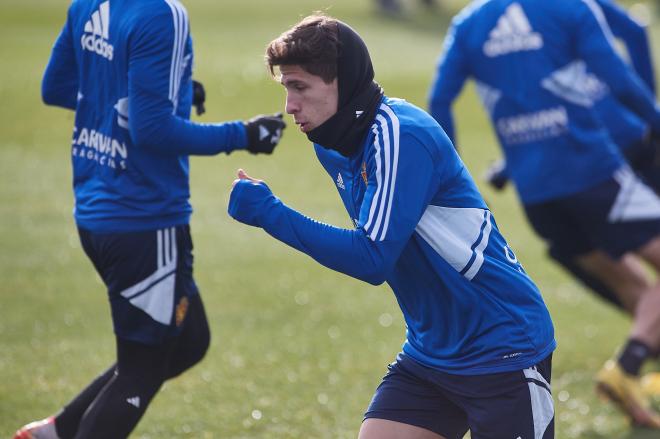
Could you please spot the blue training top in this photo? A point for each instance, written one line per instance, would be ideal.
(529, 58)
(422, 227)
(125, 67)
(625, 127)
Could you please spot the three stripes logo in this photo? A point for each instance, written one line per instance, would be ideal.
(512, 33)
(340, 181)
(97, 32)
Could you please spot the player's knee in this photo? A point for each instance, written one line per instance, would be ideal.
(198, 346)
(187, 355)
(197, 335)
(145, 382)
(192, 344)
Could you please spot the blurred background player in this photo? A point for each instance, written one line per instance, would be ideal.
(639, 144)
(479, 337)
(125, 67)
(395, 7)
(530, 59)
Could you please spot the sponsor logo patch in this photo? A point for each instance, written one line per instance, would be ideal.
(533, 127)
(90, 144)
(181, 311)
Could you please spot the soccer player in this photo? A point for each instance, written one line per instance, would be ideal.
(125, 67)
(639, 145)
(479, 337)
(530, 58)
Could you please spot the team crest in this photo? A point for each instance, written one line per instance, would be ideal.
(181, 311)
(364, 173)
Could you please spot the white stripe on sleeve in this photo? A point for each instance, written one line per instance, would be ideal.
(600, 17)
(180, 20)
(387, 160)
(395, 164)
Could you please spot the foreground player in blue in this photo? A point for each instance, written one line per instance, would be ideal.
(125, 67)
(531, 60)
(477, 354)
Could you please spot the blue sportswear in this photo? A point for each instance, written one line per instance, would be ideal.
(422, 227)
(125, 67)
(625, 127)
(531, 60)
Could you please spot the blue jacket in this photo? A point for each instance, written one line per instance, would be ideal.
(125, 67)
(422, 227)
(624, 126)
(531, 60)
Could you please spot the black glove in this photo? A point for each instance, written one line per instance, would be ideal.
(264, 132)
(496, 175)
(645, 153)
(199, 97)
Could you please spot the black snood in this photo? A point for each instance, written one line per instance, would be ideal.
(359, 97)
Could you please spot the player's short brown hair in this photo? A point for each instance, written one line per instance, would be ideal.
(312, 44)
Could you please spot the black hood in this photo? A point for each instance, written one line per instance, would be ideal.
(359, 97)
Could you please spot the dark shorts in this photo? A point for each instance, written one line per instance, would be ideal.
(501, 405)
(149, 279)
(617, 216)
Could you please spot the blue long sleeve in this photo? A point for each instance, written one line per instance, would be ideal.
(60, 82)
(451, 74)
(634, 37)
(348, 251)
(369, 252)
(152, 85)
(594, 45)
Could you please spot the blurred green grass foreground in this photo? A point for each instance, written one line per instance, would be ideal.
(297, 350)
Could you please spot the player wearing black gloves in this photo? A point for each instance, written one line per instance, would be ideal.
(264, 132)
(130, 151)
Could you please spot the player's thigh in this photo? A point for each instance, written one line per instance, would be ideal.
(148, 275)
(651, 253)
(625, 276)
(557, 227)
(408, 397)
(374, 428)
(620, 215)
(617, 216)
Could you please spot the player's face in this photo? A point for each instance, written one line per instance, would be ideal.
(309, 99)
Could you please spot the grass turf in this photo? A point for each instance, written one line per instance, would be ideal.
(297, 350)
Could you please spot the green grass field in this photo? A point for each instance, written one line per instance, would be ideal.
(297, 349)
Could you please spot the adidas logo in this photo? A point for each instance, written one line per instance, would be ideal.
(134, 401)
(512, 33)
(340, 181)
(97, 32)
(263, 132)
(274, 138)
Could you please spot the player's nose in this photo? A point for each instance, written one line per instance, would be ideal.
(292, 105)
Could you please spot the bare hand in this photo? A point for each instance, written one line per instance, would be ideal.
(242, 175)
